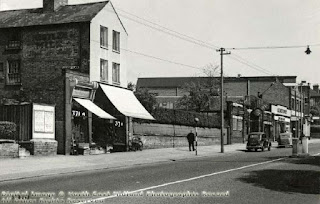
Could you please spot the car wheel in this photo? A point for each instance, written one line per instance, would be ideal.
(256, 149)
(269, 148)
(262, 148)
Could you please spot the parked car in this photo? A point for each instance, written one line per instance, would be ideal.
(258, 140)
(285, 139)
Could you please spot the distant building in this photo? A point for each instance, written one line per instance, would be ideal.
(69, 56)
(268, 94)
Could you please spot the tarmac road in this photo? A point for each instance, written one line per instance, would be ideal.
(242, 177)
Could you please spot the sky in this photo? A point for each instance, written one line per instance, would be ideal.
(253, 24)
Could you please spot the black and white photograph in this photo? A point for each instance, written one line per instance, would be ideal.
(159, 101)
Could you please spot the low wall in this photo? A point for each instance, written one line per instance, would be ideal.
(164, 135)
(315, 135)
(9, 150)
(41, 147)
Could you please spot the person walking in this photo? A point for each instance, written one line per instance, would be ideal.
(190, 138)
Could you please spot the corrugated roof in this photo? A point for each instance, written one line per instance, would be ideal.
(65, 14)
(181, 81)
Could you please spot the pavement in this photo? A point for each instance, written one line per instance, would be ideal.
(35, 166)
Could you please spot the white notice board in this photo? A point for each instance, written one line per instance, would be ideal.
(43, 121)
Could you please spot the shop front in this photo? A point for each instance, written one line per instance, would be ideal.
(267, 124)
(281, 116)
(97, 116)
(123, 105)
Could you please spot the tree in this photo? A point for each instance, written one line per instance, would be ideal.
(200, 91)
(146, 99)
(131, 86)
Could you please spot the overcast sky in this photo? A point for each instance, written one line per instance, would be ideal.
(218, 23)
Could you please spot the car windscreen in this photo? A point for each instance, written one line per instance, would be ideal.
(254, 137)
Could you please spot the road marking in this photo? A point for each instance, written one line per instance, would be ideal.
(180, 181)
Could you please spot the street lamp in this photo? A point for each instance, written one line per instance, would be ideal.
(308, 51)
(196, 120)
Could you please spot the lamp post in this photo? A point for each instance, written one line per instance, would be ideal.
(196, 120)
(222, 52)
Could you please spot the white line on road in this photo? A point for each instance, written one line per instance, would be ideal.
(180, 181)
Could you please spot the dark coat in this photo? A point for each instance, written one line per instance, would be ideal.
(190, 137)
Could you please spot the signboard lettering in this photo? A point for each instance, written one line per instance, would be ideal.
(39, 121)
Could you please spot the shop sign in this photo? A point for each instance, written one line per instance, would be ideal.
(76, 113)
(280, 110)
(118, 123)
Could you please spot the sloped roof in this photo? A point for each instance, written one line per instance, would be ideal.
(65, 14)
(181, 81)
(314, 93)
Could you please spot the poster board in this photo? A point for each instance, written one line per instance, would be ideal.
(43, 121)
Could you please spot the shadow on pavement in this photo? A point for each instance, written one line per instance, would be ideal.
(290, 181)
(312, 160)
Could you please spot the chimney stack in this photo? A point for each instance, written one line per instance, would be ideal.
(53, 5)
(316, 88)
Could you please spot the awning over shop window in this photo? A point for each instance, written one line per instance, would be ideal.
(93, 108)
(126, 102)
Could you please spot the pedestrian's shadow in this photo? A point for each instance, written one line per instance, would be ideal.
(290, 181)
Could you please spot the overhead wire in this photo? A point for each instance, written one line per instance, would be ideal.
(202, 43)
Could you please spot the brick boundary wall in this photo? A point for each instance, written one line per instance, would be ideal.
(9, 150)
(41, 147)
(156, 136)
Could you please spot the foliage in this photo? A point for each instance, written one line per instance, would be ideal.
(200, 91)
(131, 86)
(146, 99)
(315, 110)
(7, 130)
(179, 117)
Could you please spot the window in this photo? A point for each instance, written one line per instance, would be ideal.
(116, 41)
(116, 73)
(103, 70)
(103, 37)
(239, 125)
(292, 104)
(13, 72)
(234, 123)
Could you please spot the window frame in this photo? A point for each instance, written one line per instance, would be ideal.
(9, 72)
(115, 73)
(103, 70)
(116, 41)
(104, 37)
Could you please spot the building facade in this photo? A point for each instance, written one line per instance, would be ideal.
(66, 55)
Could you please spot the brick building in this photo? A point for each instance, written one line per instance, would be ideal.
(69, 56)
(243, 95)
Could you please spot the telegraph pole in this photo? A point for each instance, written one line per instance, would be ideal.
(222, 52)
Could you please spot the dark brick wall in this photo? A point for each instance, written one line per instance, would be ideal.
(275, 94)
(46, 51)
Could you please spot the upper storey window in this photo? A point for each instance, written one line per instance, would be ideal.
(116, 41)
(103, 37)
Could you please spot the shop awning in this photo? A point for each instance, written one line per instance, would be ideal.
(126, 102)
(93, 108)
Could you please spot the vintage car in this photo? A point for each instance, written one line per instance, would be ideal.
(258, 140)
(285, 139)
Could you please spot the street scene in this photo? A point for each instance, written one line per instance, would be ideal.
(159, 101)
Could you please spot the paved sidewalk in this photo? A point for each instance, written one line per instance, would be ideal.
(12, 169)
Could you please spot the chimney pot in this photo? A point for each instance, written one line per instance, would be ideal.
(53, 5)
(316, 88)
